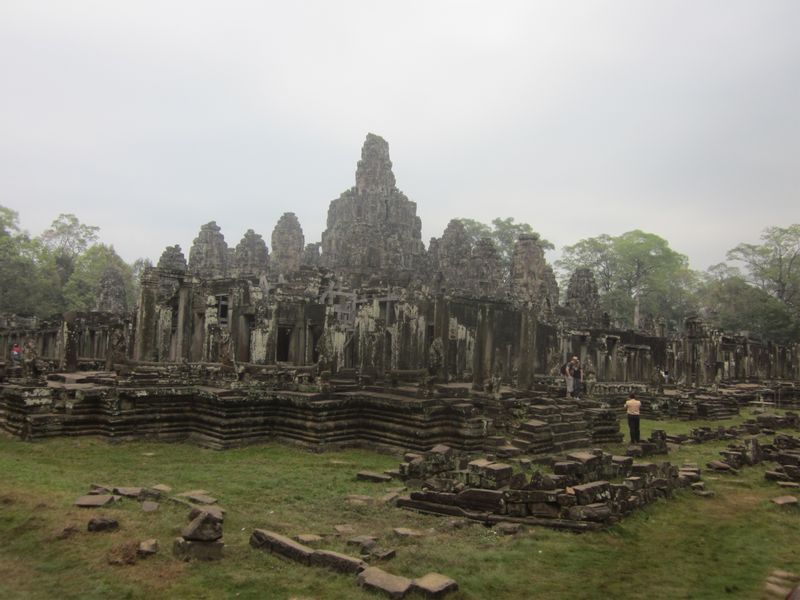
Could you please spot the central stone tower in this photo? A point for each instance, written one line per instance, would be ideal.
(373, 231)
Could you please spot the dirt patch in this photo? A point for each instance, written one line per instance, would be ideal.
(124, 554)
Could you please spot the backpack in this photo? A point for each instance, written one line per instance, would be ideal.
(565, 369)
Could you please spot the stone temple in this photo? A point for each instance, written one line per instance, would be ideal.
(365, 338)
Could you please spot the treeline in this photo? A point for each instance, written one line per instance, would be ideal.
(757, 290)
(60, 270)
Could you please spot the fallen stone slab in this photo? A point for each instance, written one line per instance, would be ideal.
(124, 554)
(389, 498)
(405, 532)
(150, 506)
(102, 524)
(203, 528)
(66, 533)
(377, 579)
(344, 529)
(382, 554)
(161, 487)
(359, 500)
(337, 561)
(785, 500)
(703, 493)
(789, 484)
(190, 550)
(508, 528)
(147, 547)
(281, 545)
(778, 591)
(94, 500)
(434, 585)
(372, 476)
(98, 488)
(128, 492)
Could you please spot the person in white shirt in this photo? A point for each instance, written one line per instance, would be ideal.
(632, 406)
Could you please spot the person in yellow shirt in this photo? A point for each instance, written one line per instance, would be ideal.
(632, 406)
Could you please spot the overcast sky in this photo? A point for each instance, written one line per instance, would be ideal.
(149, 119)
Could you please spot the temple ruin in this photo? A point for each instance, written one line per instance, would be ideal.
(365, 338)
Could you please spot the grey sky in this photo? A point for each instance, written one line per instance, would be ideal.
(149, 119)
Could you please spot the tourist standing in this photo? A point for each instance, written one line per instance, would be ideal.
(577, 377)
(632, 406)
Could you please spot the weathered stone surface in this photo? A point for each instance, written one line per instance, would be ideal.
(288, 245)
(449, 257)
(373, 477)
(191, 550)
(103, 524)
(128, 492)
(148, 547)
(251, 257)
(590, 493)
(508, 528)
(405, 532)
(337, 561)
(280, 544)
(364, 542)
(94, 500)
(198, 496)
(377, 579)
(785, 501)
(214, 512)
(308, 538)
(583, 298)
(209, 256)
(203, 528)
(344, 529)
(150, 506)
(172, 259)
(434, 585)
(532, 279)
(372, 229)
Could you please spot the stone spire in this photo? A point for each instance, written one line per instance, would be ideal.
(485, 270)
(251, 256)
(532, 279)
(288, 244)
(451, 256)
(373, 229)
(172, 259)
(208, 257)
(583, 299)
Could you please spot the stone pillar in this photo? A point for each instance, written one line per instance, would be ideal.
(146, 317)
(69, 333)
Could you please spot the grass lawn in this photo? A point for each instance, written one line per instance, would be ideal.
(685, 547)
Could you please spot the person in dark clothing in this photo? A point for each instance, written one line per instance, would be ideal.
(632, 406)
(577, 378)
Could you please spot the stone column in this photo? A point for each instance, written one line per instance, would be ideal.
(146, 317)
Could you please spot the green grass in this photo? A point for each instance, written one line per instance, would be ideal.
(685, 547)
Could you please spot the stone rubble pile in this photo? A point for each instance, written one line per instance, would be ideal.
(577, 496)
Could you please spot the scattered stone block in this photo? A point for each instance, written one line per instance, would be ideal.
(434, 585)
(161, 487)
(97, 488)
(282, 545)
(405, 532)
(103, 524)
(785, 500)
(777, 590)
(337, 561)
(190, 550)
(94, 500)
(506, 528)
(215, 512)
(389, 498)
(364, 542)
(382, 554)
(344, 529)
(66, 533)
(394, 586)
(789, 484)
(203, 528)
(147, 547)
(128, 492)
(150, 506)
(373, 477)
(703, 493)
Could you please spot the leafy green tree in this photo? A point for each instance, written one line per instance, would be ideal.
(635, 267)
(67, 238)
(504, 234)
(733, 304)
(81, 290)
(774, 265)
